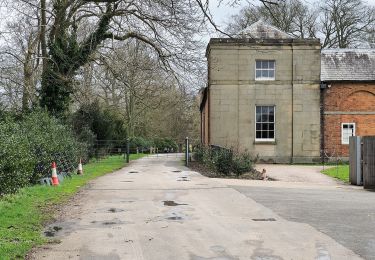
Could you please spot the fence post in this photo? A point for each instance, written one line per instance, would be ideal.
(127, 150)
(187, 151)
(355, 160)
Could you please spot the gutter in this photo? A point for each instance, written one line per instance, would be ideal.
(204, 98)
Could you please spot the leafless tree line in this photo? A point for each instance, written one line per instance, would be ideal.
(46, 43)
(338, 23)
(143, 61)
(141, 58)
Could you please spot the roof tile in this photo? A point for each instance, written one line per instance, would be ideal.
(348, 65)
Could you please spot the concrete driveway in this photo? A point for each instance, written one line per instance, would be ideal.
(298, 173)
(158, 209)
(345, 213)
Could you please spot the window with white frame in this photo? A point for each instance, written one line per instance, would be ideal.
(265, 70)
(265, 123)
(347, 130)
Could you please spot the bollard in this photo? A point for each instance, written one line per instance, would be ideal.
(80, 169)
(127, 151)
(187, 151)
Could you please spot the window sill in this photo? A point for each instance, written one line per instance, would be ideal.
(264, 79)
(259, 142)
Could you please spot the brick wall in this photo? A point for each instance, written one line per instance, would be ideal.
(347, 103)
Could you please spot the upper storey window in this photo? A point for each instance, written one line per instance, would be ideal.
(265, 70)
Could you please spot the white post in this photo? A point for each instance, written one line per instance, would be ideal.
(187, 151)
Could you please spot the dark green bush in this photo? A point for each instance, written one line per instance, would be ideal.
(30, 144)
(141, 143)
(87, 137)
(51, 141)
(163, 144)
(16, 161)
(105, 123)
(223, 160)
(241, 163)
(198, 153)
(100, 127)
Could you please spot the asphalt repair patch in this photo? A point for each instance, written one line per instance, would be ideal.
(264, 219)
(171, 203)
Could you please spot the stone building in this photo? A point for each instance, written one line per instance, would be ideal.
(263, 95)
(348, 97)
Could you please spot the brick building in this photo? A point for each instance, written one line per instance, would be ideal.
(263, 95)
(348, 97)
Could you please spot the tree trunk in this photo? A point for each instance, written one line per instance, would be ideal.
(28, 73)
(43, 25)
(27, 85)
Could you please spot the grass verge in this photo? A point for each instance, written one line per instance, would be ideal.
(22, 215)
(340, 172)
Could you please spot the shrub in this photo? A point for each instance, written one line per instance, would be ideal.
(30, 144)
(198, 153)
(241, 163)
(16, 161)
(87, 137)
(223, 160)
(165, 144)
(141, 143)
(51, 141)
(105, 123)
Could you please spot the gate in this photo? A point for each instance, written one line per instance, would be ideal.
(369, 162)
(103, 148)
(178, 148)
(355, 158)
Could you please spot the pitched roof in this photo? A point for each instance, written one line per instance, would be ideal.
(263, 30)
(348, 65)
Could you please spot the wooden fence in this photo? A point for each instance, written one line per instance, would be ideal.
(369, 162)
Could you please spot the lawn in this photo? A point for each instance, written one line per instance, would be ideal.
(23, 214)
(340, 172)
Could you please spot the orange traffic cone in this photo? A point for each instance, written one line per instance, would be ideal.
(80, 169)
(55, 180)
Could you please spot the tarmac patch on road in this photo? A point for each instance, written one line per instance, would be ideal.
(171, 203)
(264, 219)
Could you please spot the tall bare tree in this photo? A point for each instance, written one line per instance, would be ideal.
(20, 51)
(168, 27)
(129, 81)
(133, 81)
(344, 22)
(291, 16)
(339, 23)
(369, 36)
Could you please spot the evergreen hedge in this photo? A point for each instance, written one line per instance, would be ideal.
(223, 161)
(29, 144)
